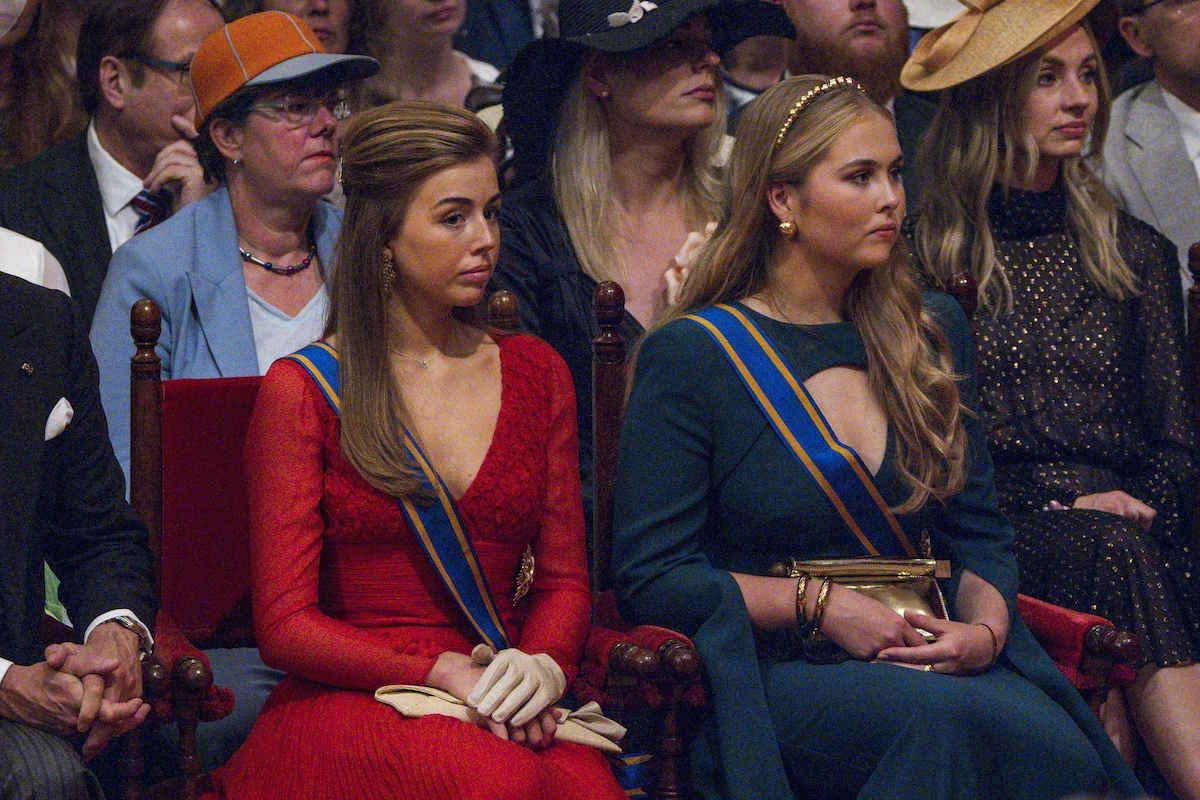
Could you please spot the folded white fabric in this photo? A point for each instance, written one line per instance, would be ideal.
(516, 686)
(586, 725)
(60, 417)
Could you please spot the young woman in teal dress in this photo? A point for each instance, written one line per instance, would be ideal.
(709, 497)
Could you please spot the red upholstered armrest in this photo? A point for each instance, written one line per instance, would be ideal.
(1089, 650)
(179, 679)
(645, 655)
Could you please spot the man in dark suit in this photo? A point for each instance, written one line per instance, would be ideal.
(62, 500)
(866, 40)
(80, 199)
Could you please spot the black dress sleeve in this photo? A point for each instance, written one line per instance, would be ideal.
(1168, 468)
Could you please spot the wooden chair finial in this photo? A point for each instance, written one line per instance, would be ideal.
(502, 311)
(963, 287)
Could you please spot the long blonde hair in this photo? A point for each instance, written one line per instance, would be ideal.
(387, 153)
(581, 175)
(908, 358)
(978, 138)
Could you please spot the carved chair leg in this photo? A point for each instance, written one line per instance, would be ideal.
(680, 664)
(191, 685)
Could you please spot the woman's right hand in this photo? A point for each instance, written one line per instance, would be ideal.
(863, 626)
(456, 674)
(1120, 503)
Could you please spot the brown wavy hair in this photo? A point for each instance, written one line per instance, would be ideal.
(44, 109)
(909, 365)
(387, 154)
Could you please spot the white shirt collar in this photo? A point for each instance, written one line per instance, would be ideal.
(1189, 124)
(117, 185)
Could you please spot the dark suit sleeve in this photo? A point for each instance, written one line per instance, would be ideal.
(96, 545)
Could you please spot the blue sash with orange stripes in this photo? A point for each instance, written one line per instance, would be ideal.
(437, 526)
(836, 468)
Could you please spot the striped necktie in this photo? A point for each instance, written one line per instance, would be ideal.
(152, 208)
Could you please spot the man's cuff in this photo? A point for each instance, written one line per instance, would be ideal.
(4, 665)
(118, 612)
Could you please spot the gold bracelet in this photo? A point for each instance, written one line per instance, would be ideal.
(801, 609)
(822, 601)
(995, 643)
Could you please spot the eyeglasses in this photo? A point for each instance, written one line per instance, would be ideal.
(299, 111)
(181, 69)
(1171, 6)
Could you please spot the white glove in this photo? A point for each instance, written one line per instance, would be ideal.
(516, 686)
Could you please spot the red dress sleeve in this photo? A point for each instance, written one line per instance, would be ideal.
(285, 463)
(560, 600)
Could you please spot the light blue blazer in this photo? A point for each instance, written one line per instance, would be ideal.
(190, 266)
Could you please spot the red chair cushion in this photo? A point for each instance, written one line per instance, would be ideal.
(205, 527)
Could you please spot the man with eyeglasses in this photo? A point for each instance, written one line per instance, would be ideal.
(1152, 153)
(134, 165)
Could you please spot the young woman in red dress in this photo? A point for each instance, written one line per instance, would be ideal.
(345, 598)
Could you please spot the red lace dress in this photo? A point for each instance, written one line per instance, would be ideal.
(346, 601)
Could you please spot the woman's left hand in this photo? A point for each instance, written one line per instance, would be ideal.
(538, 733)
(960, 648)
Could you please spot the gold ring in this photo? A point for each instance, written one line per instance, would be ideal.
(929, 667)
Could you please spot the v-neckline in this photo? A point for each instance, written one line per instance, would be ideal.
(488, 455)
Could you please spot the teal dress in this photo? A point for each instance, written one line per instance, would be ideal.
(705, 488)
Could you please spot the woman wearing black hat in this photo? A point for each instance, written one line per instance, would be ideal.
(617, 125)
(1080, 344)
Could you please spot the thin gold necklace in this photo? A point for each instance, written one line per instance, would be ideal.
(422, 363)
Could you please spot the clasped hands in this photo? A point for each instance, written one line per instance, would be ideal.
(93, 689)
(511, 692)
(868, 630)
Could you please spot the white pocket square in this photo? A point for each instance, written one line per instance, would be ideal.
(59, 418)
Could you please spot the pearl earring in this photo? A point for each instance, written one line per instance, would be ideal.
(788, 229)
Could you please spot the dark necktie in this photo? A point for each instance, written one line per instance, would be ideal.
(152, 208)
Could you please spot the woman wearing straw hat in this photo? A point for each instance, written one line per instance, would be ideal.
(1081, 366)
(617, 126)
(728, 467)
(240, 275)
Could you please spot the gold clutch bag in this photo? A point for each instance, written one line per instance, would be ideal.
(901, 584)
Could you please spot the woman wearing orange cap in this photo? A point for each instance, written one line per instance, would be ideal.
(240, 275)
(1080, 344)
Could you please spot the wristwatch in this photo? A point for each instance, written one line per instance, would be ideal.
(144, 643)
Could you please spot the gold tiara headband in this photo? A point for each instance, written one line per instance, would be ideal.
(809, 96)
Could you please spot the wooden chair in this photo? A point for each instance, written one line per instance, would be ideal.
(187, 486)
(664, 664)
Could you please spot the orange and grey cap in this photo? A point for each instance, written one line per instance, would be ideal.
(264, 48)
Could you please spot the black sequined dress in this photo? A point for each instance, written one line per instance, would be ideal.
(1084, 394)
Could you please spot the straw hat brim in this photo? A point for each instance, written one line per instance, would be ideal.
(1003, 33)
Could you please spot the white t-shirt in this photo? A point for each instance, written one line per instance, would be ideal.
(277, 335)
